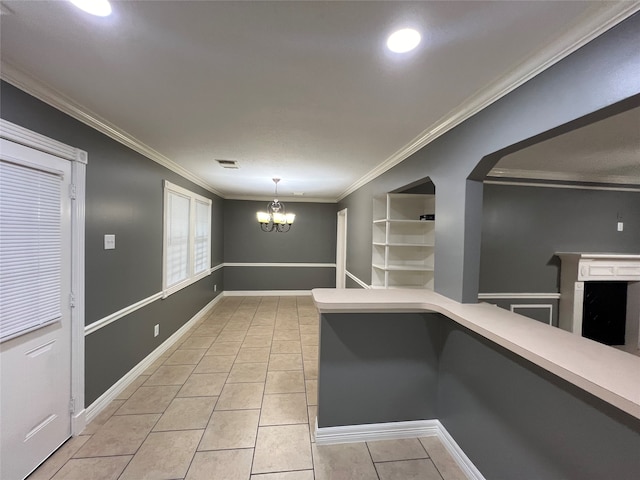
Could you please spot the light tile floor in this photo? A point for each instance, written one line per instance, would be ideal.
(235, 399)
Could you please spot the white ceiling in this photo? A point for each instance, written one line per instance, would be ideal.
(607, 151)
(301, 90)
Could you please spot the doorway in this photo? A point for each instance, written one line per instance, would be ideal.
(341, 250)
(42, 327)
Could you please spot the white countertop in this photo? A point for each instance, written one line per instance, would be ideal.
(607, 373)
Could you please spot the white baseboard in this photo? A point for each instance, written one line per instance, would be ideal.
(375, 431)
(266, 293)
(356, 279)
(458, 455)
(101, 402)
(78, 422)
(395, 431)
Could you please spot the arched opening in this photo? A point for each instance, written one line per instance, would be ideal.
(574, 189)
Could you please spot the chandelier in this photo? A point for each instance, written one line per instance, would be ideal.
(275, 219)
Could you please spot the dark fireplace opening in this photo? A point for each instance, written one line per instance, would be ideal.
(605, 312)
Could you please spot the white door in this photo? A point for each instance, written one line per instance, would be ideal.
(35, 312)
(341, 250)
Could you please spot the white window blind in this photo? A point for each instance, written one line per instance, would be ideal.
(30, 249)
(202, 246)
(177, 264)
(187, 238)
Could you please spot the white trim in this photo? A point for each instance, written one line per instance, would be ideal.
(376, 431)
(17, 134)
(604, 17)
(563, 176)
(356, 279)
(101, 402)
(217, 267)
(287, 199)
(56, 99)
(78, 159)
(341, 248)
(193, 198)
(287, 265)
(394, 431)
(266, 293)
(103, 322)
(458, 454)
(561, 185)
(513, 307)
(78, 177)
(185, 283)
(510, 296)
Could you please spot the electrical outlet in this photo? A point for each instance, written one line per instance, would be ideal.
(620, 226)
(156, 330)
(215, 288)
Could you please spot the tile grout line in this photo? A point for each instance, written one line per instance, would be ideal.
(210, 415)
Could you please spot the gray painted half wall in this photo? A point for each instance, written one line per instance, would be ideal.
(512, 419)
(515, 420)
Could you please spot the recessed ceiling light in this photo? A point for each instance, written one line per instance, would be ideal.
(99, 8)
(403, 40)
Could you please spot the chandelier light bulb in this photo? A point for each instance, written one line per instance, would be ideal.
(275, 219)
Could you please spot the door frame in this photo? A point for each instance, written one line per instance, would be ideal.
(341, 250)
(78, 158)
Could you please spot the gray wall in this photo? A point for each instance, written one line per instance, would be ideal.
(515, 420)
(597, 76)
(124, 197)
(512, 419)
(377, 368)
(523, 227)
(118, 347)
(312, 239)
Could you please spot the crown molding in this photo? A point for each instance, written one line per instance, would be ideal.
(604, 17)
(58, 100)
(572, 186)
(290, 199)
(563, 176)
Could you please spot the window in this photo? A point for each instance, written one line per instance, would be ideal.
(187, 238)
(30, 249)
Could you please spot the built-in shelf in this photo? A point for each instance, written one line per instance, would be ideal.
(401, 268)
(380, 244)
(403, 245)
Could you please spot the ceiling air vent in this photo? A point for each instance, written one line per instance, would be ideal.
(228, 163)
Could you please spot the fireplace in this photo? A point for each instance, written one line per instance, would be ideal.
(604, 312)
(600, 297)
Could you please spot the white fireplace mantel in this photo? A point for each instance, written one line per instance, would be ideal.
(578, 268)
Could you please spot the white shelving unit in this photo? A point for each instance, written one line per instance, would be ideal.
(403, 245)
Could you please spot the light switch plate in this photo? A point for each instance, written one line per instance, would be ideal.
(620, 226)
(109, 242)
